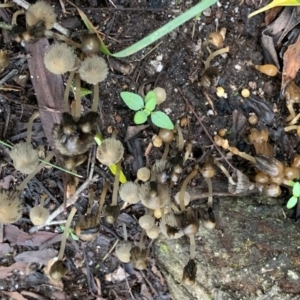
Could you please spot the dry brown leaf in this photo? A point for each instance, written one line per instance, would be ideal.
(291, 63)
(39, 256)
(14, 295)
(7, 271)
(21, 238)
(4, 249)
(117, 275)
(5, 182)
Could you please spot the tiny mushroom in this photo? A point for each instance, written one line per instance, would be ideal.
(160, 95)
(129, 192)
(143, 174)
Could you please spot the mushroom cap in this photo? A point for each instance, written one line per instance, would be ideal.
(123, 251)
(129, 192)
(11, 206)
(152, 201)
(58, 270)
(139, 257)
(60, 59)
(90, 43)
(110, 151)
(146, 222)
(25, 158)
(160, 95)
(143, 174)
(166, 135)
(87, 228)
(41, 10)
(187, 198)
(93, 69)
(153, 232)
(39, 215)
(170, 221)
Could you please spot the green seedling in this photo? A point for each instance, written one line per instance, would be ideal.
(296, 194)
(83, 91)
(70, 233)
(145, 108)
(275, 3)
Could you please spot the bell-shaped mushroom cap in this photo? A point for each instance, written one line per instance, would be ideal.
(110, 151)
(25, 158)
(93, 70)
(143, 174)
(146, 222)
(170, 222)
(123, 251)
(139, 257)
(187, 198)
(11, 206)
(153, 232)
(129, 192)
(160, 95)
(39, 215)
(41, 11)
(60, 59)
(154, 200)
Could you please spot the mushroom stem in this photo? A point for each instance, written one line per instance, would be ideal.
(242, 154)
(15, 15)
(125, 232)
(295, 120)
(60, 37)
(11, 4)
(66, 233)
(78, 96)
(29, 126)
(1, 232)
(102, 197)
(213, 55)
(91, 201)
(42, 201)
(179, 138)
(96, 98)
(291, 127)
(188, 151)
(184, 185)
(116, 185)
(142, 242)
(166, 151)
(210, 192)
(291, 111)
(38, 169)
(226, 173)
(67, 91)
(192, 246)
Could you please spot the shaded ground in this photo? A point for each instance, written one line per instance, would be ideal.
(240, 243)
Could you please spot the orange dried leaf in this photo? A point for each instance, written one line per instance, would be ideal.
(291, 63)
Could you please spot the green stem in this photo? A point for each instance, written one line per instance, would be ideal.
(32, 174)
(96, 98)
(66, 233)
(29, 126)
(116, 185)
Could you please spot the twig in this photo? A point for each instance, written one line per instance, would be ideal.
(204, 128)
(111, 250)
(69, 202)
(12, 73)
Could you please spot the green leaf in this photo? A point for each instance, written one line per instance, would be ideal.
(132, 100)
(147, 112)
(291, 183)
(160, 32)
(292, 202)
(274, 4)
(296, 189)
(74, 236)
(83, 91)
(161, 120)
(140, 117)
(149, 96)
(151, 103)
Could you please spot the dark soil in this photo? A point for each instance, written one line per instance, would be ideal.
(175, 63)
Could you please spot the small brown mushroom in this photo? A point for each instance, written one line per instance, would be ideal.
(146, 222)
(110, 151)
(143, 174)
(90, 43)
(160, 95)
(129, 192)
(189, 273)
(38, 214)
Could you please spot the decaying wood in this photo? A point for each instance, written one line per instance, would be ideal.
(48, 87)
